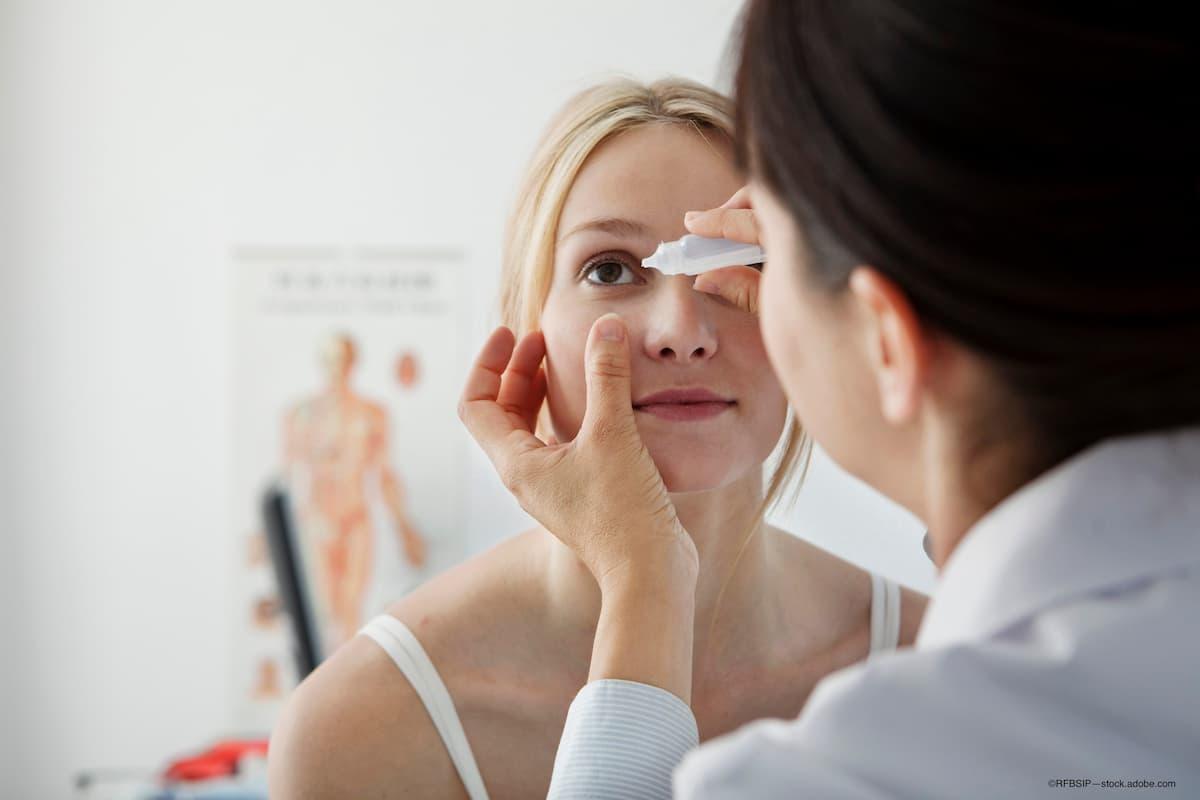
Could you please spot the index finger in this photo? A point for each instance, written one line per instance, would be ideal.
(483, 381)
(523, 385)
(498, 432)
(738, 224)
(710, 221)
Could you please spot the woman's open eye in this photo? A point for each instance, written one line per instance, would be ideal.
(608, 269)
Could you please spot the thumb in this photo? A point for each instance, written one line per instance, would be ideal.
(609, 393)
(737, 285)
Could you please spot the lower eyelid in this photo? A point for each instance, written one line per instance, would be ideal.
(590, 266)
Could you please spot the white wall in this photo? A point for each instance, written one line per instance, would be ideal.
(147, 137)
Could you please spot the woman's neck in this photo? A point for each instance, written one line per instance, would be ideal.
(734, 580)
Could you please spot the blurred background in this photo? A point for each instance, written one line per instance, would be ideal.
(144, 146)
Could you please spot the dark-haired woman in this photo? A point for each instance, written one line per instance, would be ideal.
(983, 298)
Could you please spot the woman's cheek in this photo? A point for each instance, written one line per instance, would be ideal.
(743, 342)
(765, 402)
(566, 389)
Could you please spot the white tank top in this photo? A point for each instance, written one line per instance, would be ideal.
(398, 642)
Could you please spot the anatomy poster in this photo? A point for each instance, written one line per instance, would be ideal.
(345, 391)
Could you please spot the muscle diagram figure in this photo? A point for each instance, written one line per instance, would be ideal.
(336, 457)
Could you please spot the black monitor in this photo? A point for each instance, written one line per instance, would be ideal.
(291, 577)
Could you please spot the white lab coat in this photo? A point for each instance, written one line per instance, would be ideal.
(1062, 644)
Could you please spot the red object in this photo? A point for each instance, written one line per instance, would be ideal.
(219, 761)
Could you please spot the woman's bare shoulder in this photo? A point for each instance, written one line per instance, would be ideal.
(850, 583)
(838, 580)
(477, 601)
(340, 731)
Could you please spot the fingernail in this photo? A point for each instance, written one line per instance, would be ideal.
(610, 328)
(691, 216)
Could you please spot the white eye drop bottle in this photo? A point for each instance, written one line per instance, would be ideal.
(693, 254)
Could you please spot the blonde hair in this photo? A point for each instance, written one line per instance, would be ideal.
(589, 119)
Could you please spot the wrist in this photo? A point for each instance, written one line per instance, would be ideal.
(664, 574)
(649, 598)
(646, 626)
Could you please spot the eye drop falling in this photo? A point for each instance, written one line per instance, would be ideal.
(693, 254)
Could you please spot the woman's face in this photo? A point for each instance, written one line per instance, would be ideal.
(630, 195)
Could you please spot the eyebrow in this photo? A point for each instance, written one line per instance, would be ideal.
(613, 225)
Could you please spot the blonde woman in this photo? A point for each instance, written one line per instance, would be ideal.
(462, 690)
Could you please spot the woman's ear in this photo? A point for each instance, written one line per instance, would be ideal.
(897, 348)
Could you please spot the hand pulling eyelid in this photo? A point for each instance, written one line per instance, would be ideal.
(692, 255)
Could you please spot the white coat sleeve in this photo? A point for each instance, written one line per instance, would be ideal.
(622, 739)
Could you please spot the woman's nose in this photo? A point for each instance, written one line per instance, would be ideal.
(678, 327)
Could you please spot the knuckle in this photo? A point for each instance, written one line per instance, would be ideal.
(512, 476)
(745, 296)
(523, 479)
(733, 225)
(602, 430)
(607, 364)
(618, 436)
(508, 467)
(741, 225)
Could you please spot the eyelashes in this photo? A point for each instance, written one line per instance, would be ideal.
(610, 269)
(617, 268)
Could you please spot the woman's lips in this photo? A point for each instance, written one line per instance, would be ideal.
(684, 412)
(684, 404)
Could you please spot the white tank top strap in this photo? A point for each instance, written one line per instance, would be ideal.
(885, 615)
(399, 642)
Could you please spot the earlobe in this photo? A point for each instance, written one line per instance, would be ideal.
(897, 347)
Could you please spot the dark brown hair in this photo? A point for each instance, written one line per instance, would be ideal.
(1027, 172)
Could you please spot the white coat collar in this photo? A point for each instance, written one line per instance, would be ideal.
(1123, 510)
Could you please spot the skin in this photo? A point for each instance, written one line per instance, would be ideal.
(902, 403)
(512, 631)
(894, 402)
(679, 338)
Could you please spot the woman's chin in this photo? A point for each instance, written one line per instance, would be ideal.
(681, 475)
